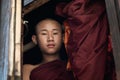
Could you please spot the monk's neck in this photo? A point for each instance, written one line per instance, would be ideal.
(49, 58)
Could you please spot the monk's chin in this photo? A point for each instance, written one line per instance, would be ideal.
(51, 52)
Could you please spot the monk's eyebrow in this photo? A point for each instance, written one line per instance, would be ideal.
(43, 30)
(56, 29)
(47, 30)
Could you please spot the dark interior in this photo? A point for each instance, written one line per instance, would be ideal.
(47, 10)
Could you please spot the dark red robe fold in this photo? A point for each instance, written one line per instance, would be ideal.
(88, 39)
(55, 70)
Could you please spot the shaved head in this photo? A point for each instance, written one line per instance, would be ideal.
(47, 21)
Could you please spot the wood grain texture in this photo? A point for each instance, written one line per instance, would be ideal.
(112, 11)
(35, 4)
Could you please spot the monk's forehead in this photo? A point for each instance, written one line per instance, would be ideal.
(48, 21)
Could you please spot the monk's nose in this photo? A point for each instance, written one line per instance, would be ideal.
(50, 37)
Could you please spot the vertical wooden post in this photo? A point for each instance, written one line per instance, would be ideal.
(113, 18)
(18, 39)
(12, 40)
(15, 41)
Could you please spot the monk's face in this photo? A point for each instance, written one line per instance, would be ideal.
(49, 36)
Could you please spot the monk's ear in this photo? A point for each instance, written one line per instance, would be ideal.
(34, 39)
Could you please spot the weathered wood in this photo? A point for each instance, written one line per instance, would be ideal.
(35, 4)
(15, 41)
(115, 32)
(117, 6)
(12, 40)
(18, 39)
(4, 37)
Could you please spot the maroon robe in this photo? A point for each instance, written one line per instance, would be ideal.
(88, 40)
(55, 70)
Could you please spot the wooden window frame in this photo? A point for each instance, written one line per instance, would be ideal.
(113, 7)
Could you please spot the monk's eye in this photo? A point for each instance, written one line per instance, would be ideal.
(55, 33)
(43, 33)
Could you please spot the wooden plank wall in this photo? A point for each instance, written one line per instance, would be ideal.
(113, 17)
(4, 37)
(15, 41)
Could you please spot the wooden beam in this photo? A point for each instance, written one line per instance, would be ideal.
(115, 32)
(15, 41)
(18, 39)
(12, 40)
(117, 6)
(35, 4)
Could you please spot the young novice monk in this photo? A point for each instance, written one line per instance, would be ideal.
(49, 37)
